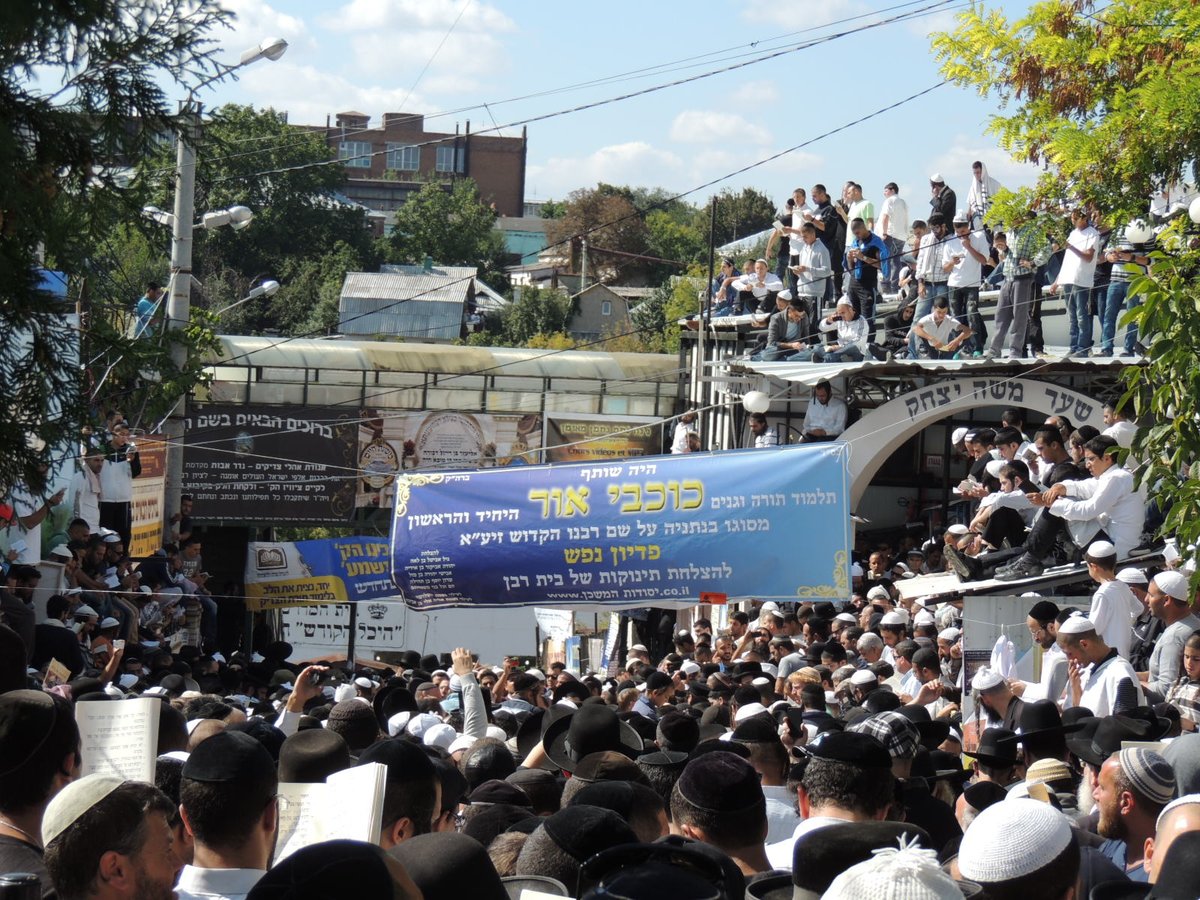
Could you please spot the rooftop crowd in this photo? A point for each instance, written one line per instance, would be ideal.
(830, 264)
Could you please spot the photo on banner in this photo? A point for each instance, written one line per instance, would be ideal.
(401, 442)
(334, 570)
(269, 464)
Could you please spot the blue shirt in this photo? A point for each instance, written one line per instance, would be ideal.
(873, 241)
(146, 308)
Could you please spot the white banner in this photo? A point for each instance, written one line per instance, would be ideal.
(556, 624)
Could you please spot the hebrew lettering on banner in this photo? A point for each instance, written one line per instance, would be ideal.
(627, 533)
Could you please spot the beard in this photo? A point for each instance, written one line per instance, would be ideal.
(149, 888)
(1110, 823)
(1084, 800)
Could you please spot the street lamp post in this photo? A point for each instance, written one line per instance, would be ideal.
(179, 300)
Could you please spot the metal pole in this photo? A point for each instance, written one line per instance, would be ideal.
(179, 302)
(583, 264)
(712, 258)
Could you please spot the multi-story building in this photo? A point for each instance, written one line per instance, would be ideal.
(388, 162)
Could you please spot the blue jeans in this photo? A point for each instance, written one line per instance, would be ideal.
(933, 290)
(1080, 318)
(816, 354)
(964, 303)
(895, 249)
(1110, 310)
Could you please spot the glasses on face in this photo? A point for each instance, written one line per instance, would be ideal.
(1088, 460)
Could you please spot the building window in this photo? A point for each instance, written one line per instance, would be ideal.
(355, 154)
(404, 157)
(606, 308)
(451, 159)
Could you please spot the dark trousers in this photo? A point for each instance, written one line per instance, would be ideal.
(118, 517)
(863, 298)
(964, 303)
(1005, 525)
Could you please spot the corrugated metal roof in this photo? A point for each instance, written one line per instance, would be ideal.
(349, 355)
(411, 303)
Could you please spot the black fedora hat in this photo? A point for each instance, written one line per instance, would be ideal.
(394, 698)
(997, 747)
(1101, 738)
(590, 729)
(933, 731)
(1041, 717)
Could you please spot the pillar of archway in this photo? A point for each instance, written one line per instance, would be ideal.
(875, 436)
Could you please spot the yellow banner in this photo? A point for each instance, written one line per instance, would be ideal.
(264, 595)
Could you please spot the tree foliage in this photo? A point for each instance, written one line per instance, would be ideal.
(739, 215)
(452, 227)
(535, 312)
(1107, 100)
(55, 145)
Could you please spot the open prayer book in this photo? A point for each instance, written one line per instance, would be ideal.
(348, 806)
(119, 738)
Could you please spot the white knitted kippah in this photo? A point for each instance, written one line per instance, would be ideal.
(1185, 800)
(1012, 839)
(905, 873)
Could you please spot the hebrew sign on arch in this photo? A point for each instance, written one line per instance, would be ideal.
(877, 434)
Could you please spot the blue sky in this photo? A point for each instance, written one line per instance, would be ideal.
(368, 55)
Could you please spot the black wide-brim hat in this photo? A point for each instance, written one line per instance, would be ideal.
(590, 729)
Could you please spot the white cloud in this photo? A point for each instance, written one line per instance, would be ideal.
(814, 14)
(711, 126)
(409, 15)
(942, 20)
(255, 20)
(310, 94)
(635, 163)
(393, 40)
(954, 164)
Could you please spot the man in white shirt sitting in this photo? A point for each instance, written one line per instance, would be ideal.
(825, 418)
(939, 334)
(763, 285)
(851, 344)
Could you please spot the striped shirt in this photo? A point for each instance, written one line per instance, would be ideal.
(1025, 243)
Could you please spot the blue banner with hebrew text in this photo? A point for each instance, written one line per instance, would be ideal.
(642, 532)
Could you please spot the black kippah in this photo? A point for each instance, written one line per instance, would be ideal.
(583, 831)
(229, 756)
(720, 782)
(1044, 611)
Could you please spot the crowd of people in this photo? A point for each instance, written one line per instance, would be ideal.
(830, 263)
(805, 749)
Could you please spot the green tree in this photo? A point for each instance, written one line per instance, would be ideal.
(452, 227)
(739, 215)
(1107, 100)
(57, 185)
(608, 219)
(535, 311)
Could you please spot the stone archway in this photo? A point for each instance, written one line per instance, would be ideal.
(878, 433)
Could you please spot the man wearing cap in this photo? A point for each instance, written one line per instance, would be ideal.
(227, 800)
(942, 199)
(1168, 599)
(761, 284)
(1043, 627)
(660, 690)
(1021, 848)
(1114, 607)
(1003, 709)
(719, 800)
(39, 756)
(412, 794)
(963, 259)
(852, 336)
(109, 839)
(847, 778)
(1134, 786)
(825, 417)
(1106, 671)
(1076, 278)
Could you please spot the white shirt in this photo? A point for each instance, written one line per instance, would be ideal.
(116, 481)
(850, 334)
(1107, 502)
(1114, 607)
(967, 271)
(896, 211)
(767, 439)
(780, 854)
(929, 256)
(1123, 432)
(782, 817)
(945, 331)
(1100, 685)
(24, 505)
(1017, 499)
(829, 416)
(208, 884)
(679, 442)
(815, 259)
(84, 497)
(1074, 270)
(772, 284)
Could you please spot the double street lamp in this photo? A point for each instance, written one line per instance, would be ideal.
(182, 225)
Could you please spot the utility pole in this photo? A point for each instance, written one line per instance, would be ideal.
(179, 302)
(583, 263)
